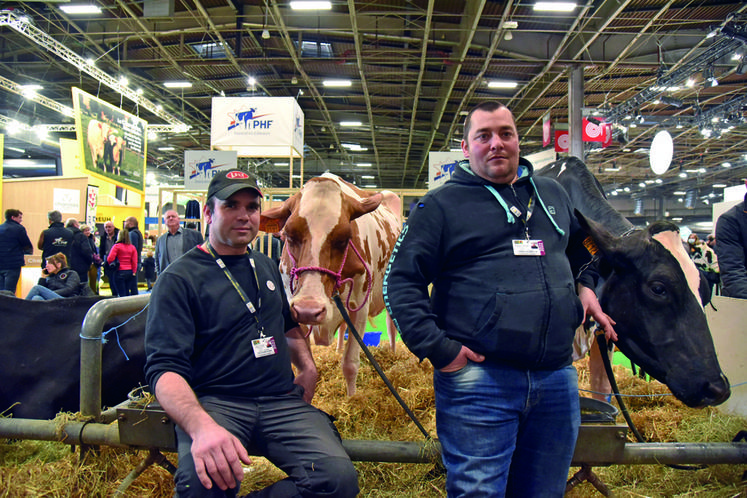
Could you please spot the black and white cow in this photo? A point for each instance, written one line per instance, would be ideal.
(652, 290)
(40, 356)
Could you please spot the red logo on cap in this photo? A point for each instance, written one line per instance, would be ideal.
(237, 175)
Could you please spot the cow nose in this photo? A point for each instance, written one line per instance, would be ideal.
(718, 391)
(308, 311)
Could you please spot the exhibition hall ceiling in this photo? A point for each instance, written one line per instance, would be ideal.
(415, 68)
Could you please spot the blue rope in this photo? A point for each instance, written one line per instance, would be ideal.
(116, 333)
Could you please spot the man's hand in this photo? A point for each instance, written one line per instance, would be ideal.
(307, 379)
(218, 454)
(593, 309)
(465, 355)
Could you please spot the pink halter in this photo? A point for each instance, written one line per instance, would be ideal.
(339, 281)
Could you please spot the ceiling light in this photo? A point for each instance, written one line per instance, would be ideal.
(726, 164)
(310, 5)
(690, 82)
(510, 25)
(81, 9)
(719, 185)
(166, 149)
(265, 34)
(682, 174)
(337, 83)
(367, 177)
(351, 123)
(364, 165)
(502, 84)
(124, 81)
(555, 6)
(177, 84)
(251, 80)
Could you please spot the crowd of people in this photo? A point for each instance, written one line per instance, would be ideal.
(115, 256)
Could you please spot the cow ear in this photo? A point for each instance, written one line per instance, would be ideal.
(366, 205)
(273, 220)
(603, 244)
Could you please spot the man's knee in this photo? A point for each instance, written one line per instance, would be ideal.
(332, 477)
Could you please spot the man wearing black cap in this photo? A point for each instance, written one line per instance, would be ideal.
(220, 342)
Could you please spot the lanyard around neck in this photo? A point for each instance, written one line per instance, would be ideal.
(247, 302)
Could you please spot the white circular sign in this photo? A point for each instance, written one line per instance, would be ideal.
(660, 155)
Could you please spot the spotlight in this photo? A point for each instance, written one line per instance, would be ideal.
(266, 34)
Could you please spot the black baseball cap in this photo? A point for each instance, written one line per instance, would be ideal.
(226, 183)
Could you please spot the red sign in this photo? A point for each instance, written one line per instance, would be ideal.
(546, 130)
(562, 140)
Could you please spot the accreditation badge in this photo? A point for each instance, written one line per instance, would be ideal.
(264, 346)
(525, 247)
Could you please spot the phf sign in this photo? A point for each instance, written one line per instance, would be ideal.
(257, 126)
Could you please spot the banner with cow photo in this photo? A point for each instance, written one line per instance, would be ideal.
(201, 165)
(113, 142)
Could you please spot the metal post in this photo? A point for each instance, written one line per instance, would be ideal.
(90, 347)
(575, 107)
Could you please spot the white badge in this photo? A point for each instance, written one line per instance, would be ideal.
(529, 247)
(271, 285)
(264, 346)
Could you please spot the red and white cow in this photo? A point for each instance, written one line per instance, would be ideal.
(337, 238)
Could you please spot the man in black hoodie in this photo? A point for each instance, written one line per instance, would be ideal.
(501, 248)
(56, 238)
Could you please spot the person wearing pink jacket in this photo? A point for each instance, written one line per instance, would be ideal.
(126, 255)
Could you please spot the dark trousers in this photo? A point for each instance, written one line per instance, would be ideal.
(126, 283)
(296, 437)
(9, 279)
(111, 276)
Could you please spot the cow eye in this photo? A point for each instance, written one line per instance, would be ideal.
(658, 288)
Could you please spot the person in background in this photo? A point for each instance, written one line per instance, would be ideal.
(81, 255)
(220, 344)
(58, 281)
(126, 253)
(711, 241)
(705, 260)
(14, 243)
(731, 249)
(56, 238)
(149, 268)
(500, 247)
(94, 272)
(175, 242)
(136, 238)
(107, 241)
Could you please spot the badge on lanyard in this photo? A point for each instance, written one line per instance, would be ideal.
(528, 247)
(264, 346)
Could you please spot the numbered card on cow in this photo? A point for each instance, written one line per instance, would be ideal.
(529, 248)
(264, 346)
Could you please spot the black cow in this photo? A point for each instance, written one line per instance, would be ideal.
(40, 356)
(651, 291)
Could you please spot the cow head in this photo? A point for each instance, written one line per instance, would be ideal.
(317, 225)
(661, 325)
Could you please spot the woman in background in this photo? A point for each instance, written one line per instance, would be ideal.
(58, 281)
(126, 253)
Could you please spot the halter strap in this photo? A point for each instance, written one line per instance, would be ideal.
(339, 281)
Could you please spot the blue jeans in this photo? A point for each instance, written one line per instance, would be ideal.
(296, 437)
(41, 293)
(9, 279)
(126, 283)
(506, 431)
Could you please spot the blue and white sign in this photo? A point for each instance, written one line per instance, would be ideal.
(257, 126)
(201, 165)
(441, 165)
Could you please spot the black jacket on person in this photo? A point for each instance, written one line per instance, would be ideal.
(731, 249)
(56, 239)
(66, 283)
(81, 255)
(14, 243)
(136, 239)
(517, 310)
(103, 253)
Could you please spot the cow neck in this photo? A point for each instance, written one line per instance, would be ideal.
(339, 281)
(247, 302)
